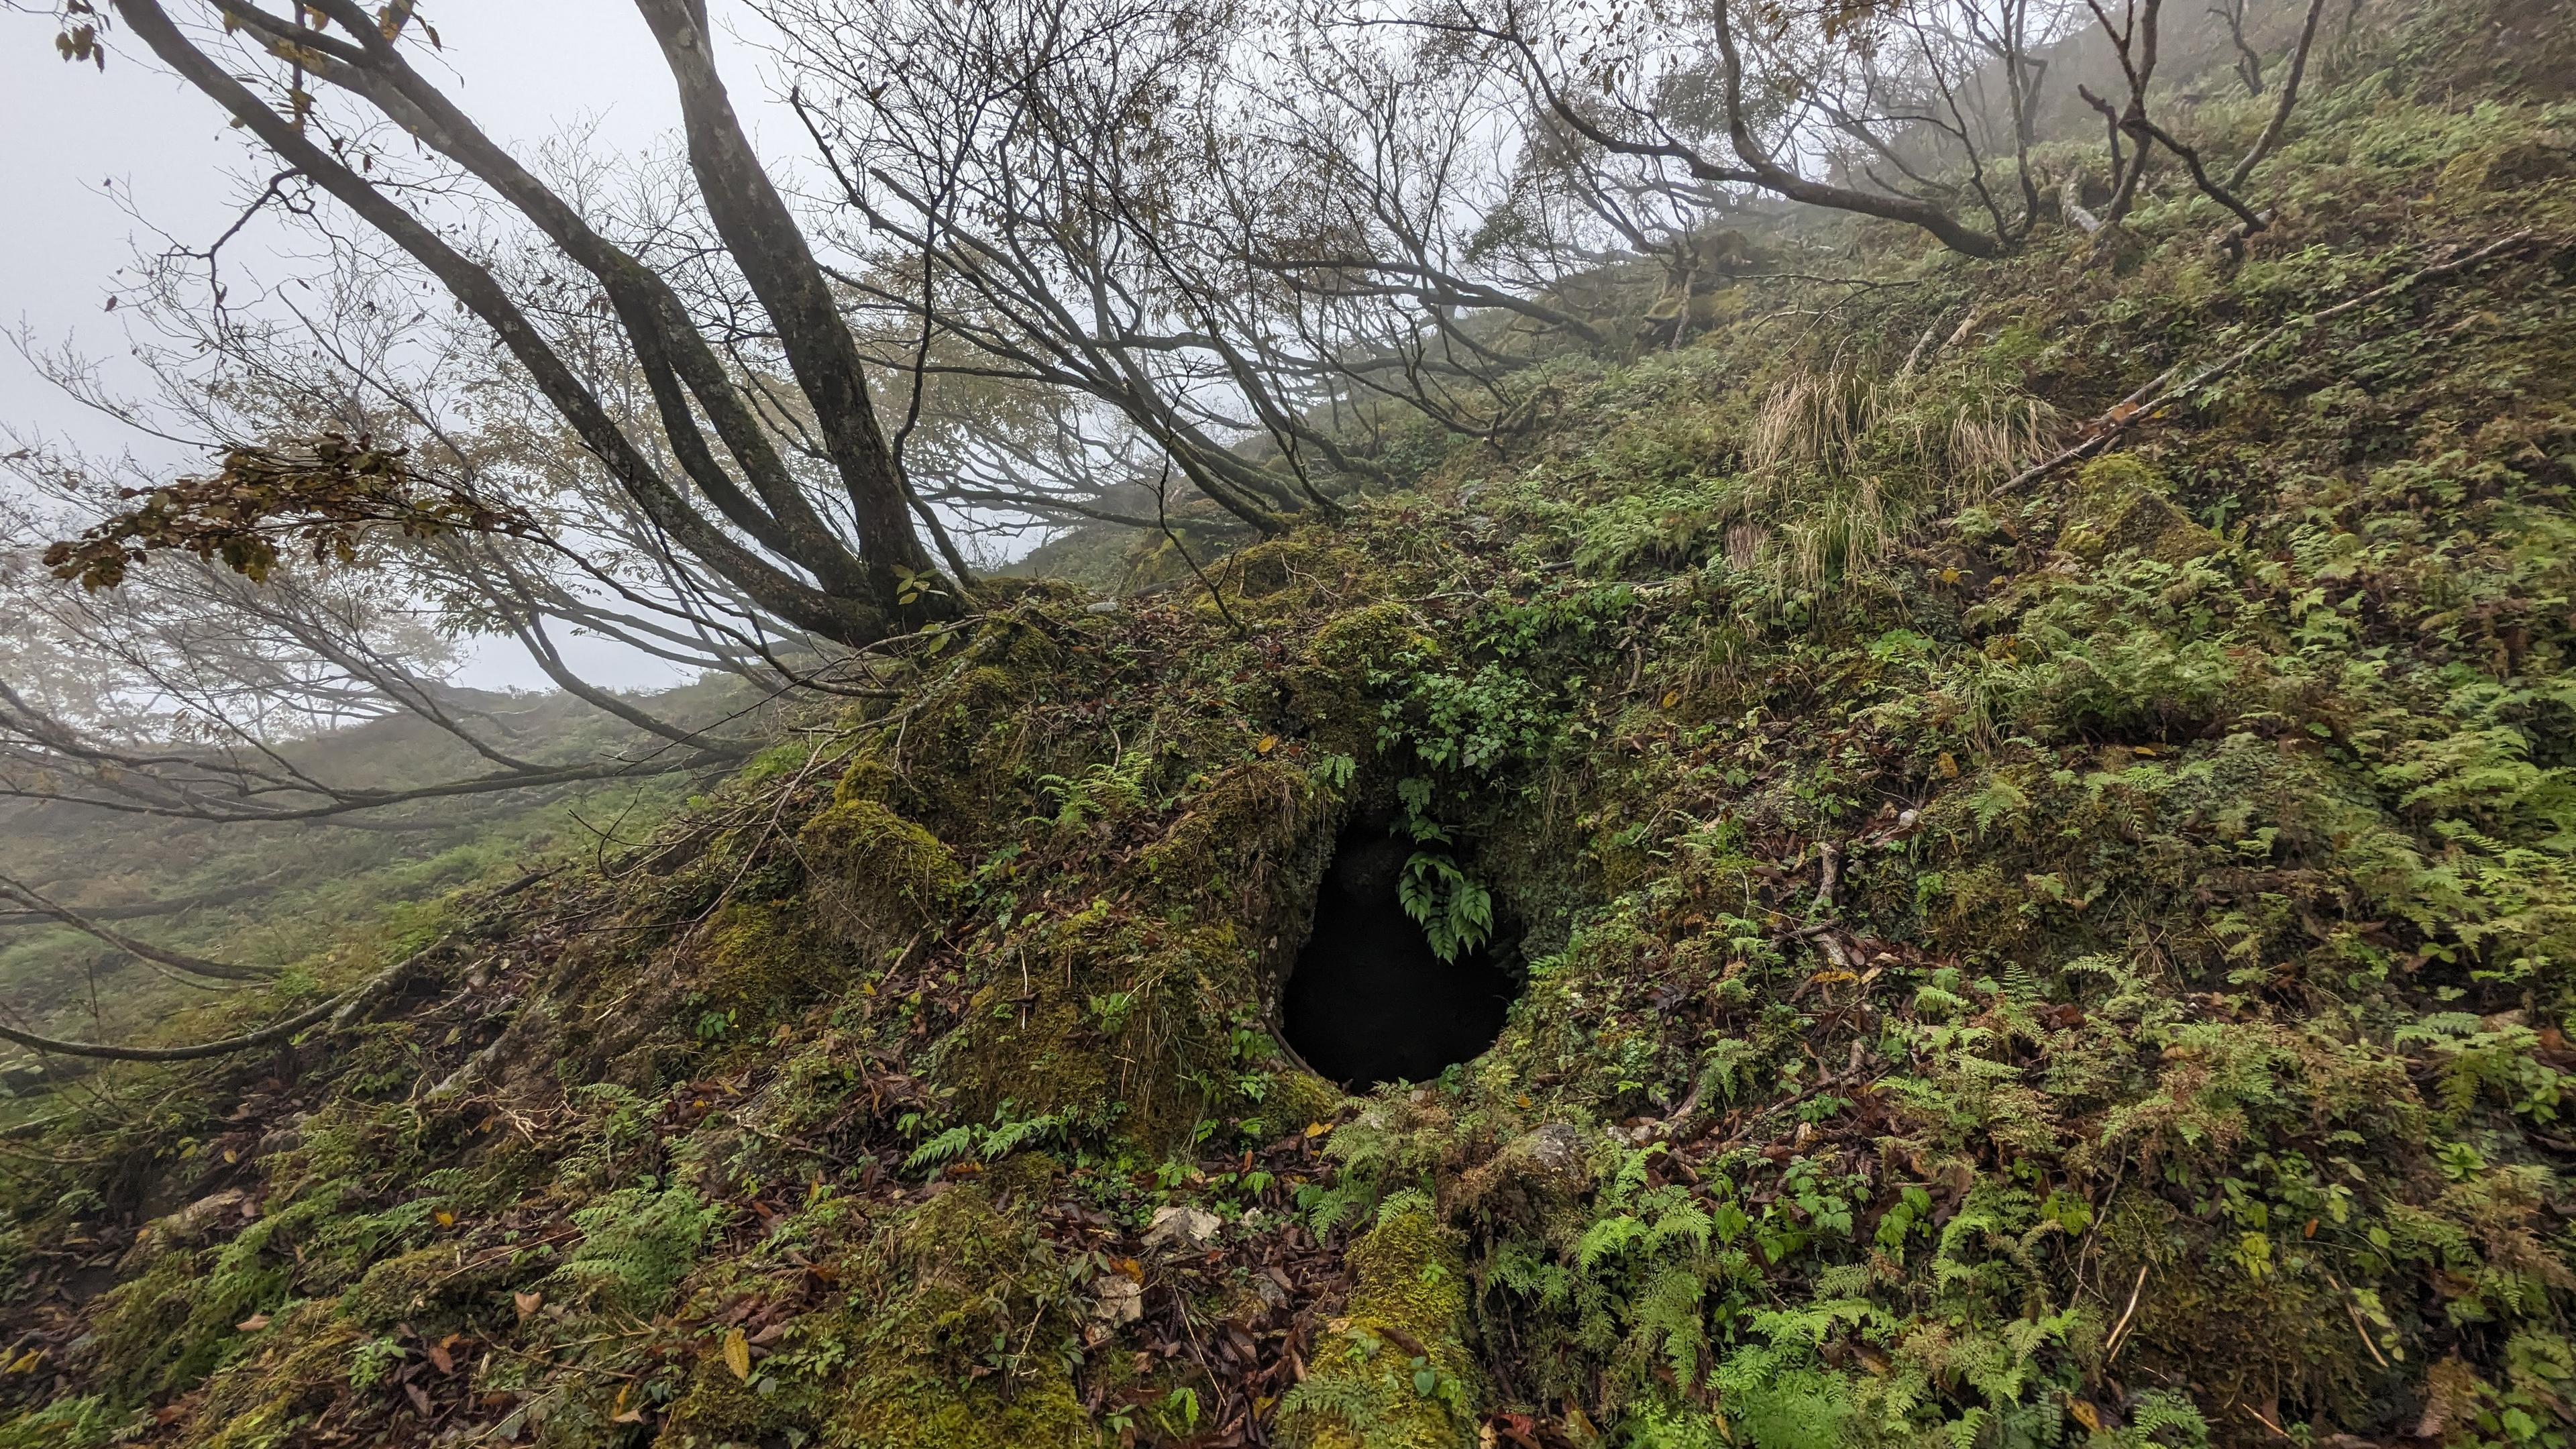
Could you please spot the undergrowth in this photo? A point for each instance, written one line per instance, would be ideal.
(2085, 963)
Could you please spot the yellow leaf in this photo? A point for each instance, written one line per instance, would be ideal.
(1949, 767)
(26, 1362)
(1672, 697)
(1266, 745)
(445, 1219)
(737, 1354)
(2084, 1414)
(1318, 1129)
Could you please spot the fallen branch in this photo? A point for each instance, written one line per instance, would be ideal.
(2156, 394)
(340, 1009)
(2111, 1345)
(1827, 880)
(37, 903)
(2344, 1296)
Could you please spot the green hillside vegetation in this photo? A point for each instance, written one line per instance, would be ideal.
(298, 895)
(2078, 963)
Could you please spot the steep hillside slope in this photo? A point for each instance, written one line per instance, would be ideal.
(2002, 961)
(285, 895)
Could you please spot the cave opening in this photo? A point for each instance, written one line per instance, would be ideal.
(1369, 1000)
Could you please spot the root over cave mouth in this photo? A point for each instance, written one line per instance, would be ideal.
(1369, 1001)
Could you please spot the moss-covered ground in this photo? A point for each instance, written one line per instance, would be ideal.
(2084, 963)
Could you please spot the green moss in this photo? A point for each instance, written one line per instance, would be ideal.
(898, 1410)
(2200, 904)
(866, 778)
(1393, 1373)
(1328, 687)
(2237, 1327)
(402, 1287)
(2121, 505)
(764, 959)
(716, 1408)
(1248, 816)
(1295, 1098)
(881, 877)
(300, 1365)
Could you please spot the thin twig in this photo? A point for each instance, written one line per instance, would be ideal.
(1161, 486)
(2289, 97)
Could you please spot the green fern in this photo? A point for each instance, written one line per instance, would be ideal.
(1455, 911)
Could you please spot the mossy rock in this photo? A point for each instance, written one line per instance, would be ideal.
(881, 878)
(1393, 1373)
(1297, 1097)
(921, 1411)
(959, 757)
(1248, 817)
(939, 1282)
(300, 1364)
(1286, 577)
(2510, 166)
(2238, 1333)
(1328, 687)
(2122, 506)
(866, 778)
(717, 1409)
(1036, 1057)
(763, 959)
(925, 1307)
(410, 1286)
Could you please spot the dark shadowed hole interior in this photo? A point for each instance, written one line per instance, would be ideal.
(1369, 1001)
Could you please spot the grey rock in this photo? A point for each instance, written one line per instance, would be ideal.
(1182, 1229)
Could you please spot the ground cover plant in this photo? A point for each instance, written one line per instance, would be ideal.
(2008, 957)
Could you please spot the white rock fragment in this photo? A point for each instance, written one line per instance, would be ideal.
(1182, 1229)
(1117, 1300)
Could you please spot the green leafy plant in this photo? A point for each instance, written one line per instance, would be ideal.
(1455, 911)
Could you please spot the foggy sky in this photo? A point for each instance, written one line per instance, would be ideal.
(93, 164)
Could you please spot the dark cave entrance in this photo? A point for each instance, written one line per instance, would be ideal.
(1369, 1001)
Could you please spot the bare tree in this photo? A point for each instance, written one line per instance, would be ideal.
(2249, 61)
(726, 496)
(1880, 111)
(1033, 176)
(2135, 40)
